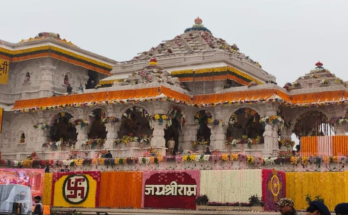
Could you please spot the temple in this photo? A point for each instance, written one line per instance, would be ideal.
(59, 102)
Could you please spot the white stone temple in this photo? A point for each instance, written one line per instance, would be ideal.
(196, 89)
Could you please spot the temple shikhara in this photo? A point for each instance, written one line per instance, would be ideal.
(181, 125)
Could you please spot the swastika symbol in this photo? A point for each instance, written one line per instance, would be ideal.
(75, 189)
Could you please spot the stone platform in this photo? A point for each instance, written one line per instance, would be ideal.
(93, 211)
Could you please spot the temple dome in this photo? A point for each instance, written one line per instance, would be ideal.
(317, 77)
(196, 39)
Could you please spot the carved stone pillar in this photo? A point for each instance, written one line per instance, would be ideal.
(340, 129)
(275, 140)
(286, 134)
(158, 140)
(268, 140)
(42, 134)
(189, 135)
(218, 132)
(158, 135)
(112, 135)
(47, 68)
(82, 135)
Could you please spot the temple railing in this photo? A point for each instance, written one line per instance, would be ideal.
(324, 146)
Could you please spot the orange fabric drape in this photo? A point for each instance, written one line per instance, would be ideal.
(340, 145)
(121, 189)
(176, 95)
(198, 99)
(309, 146)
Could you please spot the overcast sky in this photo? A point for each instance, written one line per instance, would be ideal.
(286, 37)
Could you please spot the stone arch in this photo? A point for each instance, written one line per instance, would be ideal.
(54, 114)
(67, 78)
(22, 123)
(25, 76)
(62, 127)
(97, 127)
(303, 111)
(311, 123)
(177, 116)
(125, 108)
(135, 122)
(245, 121)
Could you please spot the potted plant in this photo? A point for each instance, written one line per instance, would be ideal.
(201, 202)
(256, 203)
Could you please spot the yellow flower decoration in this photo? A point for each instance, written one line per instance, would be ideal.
(234, 157)
(184, 158)
(117, 160)
(101, 161)
(95, 161)
(192, 157)
(164, 117)
(305, 161)
(293, 160)
(224, 157)
(335, 159)
(250, 159)
(326, 159)
(157, 117)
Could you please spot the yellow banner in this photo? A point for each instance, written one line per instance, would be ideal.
(75, 191)
(4, 70)
(1, 113)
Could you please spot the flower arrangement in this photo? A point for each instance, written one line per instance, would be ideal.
(144, 139)
(218, 122)
(296, 84)
(230, 142)
(41, 126)
(338, 81)
(110, 119)
(338, 120)
(288, 86)
(128, 113)
(160, 118)
(126, 139)
(233, 119)
(287, 143)
(200, 141)
(81, 122)
(275, 120)
(52, 145)
(92, 143)
(201, 116)
(177, 113)
(152, 156)
(324, 81)
(245, 140)
(304, 161)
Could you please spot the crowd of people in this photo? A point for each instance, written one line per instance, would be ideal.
(286, 207)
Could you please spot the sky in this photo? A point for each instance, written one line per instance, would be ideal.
(287, 37)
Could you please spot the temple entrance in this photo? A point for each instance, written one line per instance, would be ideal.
(203, 118)
(177, 118)
(245, 123)
(312, 123)
(62, 129)
(135, 123)
(98, 129)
